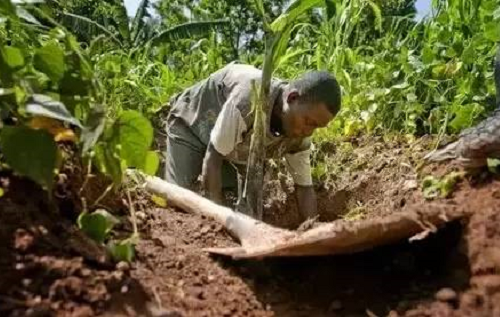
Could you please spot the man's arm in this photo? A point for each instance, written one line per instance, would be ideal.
(306, 201)
(212, 174)
(299, 165)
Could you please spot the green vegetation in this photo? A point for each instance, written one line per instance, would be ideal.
(433, 187)
(83, 72)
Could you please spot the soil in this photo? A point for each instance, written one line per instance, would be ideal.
(49, 268)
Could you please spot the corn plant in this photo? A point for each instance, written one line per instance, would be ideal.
(278, 34)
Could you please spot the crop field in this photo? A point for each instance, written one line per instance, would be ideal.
(88, 229)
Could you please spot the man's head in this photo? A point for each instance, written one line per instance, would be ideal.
(310, 102)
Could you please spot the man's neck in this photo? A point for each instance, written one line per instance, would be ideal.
(275, 122)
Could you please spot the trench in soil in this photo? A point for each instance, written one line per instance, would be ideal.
(396, 277)
(48, 269)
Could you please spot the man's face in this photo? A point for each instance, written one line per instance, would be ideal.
(301, 119)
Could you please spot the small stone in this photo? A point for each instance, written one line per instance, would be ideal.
(369, 313)
(83, 311)
(85, 272)
(393, 313)
(205, 230)
(410, 185)
(43, 230)
(117, 275)
(489, 283)
(124, 289)
(469, 300)
(26, 282)
(446, 295)
(37, 300)
(496, 194)
(23, 240)
(336, 305)
(140, 215)
(123, 266)
(20, 266)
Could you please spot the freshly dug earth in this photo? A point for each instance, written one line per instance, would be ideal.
(48, 268)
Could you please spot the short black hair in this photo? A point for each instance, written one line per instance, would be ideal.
(319, 87)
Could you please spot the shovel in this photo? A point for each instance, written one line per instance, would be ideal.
(260, 240)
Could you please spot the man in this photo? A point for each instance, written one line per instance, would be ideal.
(210, 125)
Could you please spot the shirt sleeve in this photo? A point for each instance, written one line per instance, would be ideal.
(299, 165)
(229, 127)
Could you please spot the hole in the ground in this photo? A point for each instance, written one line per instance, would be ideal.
(394, 277)
(349, 203)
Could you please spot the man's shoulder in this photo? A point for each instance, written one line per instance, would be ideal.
(236, 70)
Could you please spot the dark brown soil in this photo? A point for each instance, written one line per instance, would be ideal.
(48, 268)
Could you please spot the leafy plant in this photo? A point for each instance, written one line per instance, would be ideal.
(122, 250)
(433, 187)
(97, 225)
(137, 32)
(278, 34)
(30, 153)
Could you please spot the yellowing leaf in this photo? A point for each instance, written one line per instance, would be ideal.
(54, 127)
(159, 201)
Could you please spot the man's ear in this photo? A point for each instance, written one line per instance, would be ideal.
(292, 96)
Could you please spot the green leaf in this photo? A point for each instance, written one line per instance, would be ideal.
(26, 16)
(31, 153)
(279, 46)
(469, 55)
(6, 91)
(94, 127)
(427, 55)
(377, 13)
(50, 60)
(292, 12)
(138, 22)
(7, 8)
(259, 6)
(492, 31)
(433, 187)
(152, 163)
(76, 21)
(108, 163)
(123, 251)
(493, 165)
(73, 84)
(97, 225)
(42, 105)
(430, 187)
(12, 57)
(188, 30)
(331, 9)
(133, 134)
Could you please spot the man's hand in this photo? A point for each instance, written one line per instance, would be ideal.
(211, 174)
(306, 200)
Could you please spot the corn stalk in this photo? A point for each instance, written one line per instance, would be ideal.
(277, 36)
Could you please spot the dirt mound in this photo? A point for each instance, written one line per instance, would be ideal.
(375, 175)
(48, 268)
